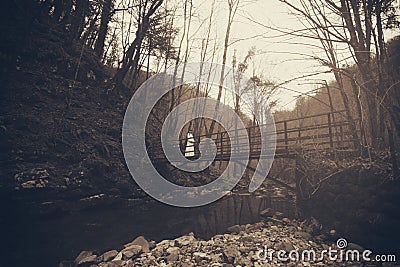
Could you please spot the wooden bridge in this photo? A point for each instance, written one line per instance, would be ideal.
(327, 133)
(321, 133)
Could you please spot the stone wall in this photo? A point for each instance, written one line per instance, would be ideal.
(362, 205)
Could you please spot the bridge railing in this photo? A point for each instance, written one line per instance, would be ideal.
(326, 131)
(329, 131)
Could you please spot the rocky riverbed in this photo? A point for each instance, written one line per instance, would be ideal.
(244, 245)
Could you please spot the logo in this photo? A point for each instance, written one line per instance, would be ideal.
(139, 110)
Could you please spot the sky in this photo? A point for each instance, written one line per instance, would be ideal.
(276, 59)
(279, 57)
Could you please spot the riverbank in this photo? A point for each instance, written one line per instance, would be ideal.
(243, 245)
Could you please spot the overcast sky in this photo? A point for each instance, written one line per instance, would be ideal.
(279, 57)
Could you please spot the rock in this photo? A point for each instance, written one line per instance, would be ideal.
(131, 251)
(235, 229)
(174, 256)
(166, 243)
(230, 253)
(314, 227)
(244, 250)
(353, 246)
(87, 261)
(152, 244)
(304, 235)
(186, 264)
(267, 212)
(325, 246)
(216, 257)
(286, 246)
(113, 263)
(141, 241)
(128, 254)
(107, 256)
(279, 215)
(172, 250)
(29, 184)
(273, 221)
(118, 257)
(321, 238)
(157, 253)
(40, 185)
(238, 249)
(83, 255)
(185, 240)
(274, 227)
(198, 256)
(246, 239)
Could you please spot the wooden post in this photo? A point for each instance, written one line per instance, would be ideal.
(250, 144)
(331, 107)
(341, 132)
(221, 144)
(286, 137)
(330, 130)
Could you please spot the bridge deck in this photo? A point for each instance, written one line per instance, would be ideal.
(327, 132)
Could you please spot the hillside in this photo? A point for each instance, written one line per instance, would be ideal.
(60, 123)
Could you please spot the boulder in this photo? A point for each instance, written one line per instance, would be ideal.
(172, 250)
(131, 251)
(118, 257)
(109, 255)
(84, 255)
(185, 240)
(140, 241)
(174, 256)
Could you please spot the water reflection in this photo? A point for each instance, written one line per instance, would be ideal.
(45, 240)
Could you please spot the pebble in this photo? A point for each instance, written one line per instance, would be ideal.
(239, 248)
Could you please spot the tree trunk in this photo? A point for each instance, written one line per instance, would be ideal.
(232, 10)
(128, 61)
(105, 19)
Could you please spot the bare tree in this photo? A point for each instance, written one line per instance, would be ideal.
(232, 9)
(130, 61)
(356, 24)
(106, 14)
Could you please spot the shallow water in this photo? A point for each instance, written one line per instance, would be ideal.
(37, 239)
